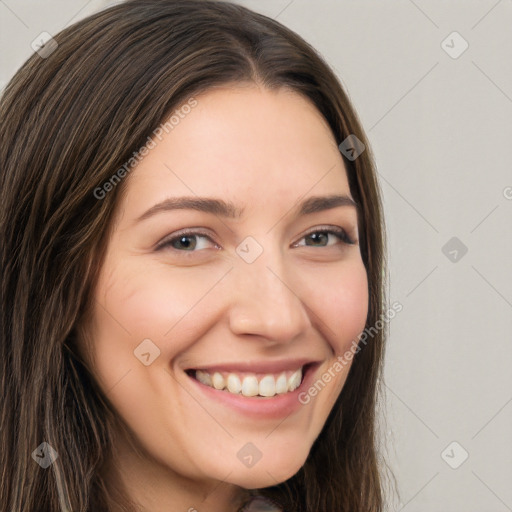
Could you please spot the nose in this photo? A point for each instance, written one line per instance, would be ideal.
(265, 303)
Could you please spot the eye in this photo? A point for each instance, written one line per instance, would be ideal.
(321, 237)
(186, 241)
(193, 241)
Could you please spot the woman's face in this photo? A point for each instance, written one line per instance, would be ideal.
(251, 296)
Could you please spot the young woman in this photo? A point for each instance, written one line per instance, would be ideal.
(192, 252)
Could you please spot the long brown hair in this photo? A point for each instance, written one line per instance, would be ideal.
(68, 122)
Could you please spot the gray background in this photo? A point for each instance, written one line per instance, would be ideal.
(441, 133)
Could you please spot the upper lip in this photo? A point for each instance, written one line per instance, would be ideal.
(257, 366)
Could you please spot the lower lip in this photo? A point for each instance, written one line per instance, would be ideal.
(278, 406)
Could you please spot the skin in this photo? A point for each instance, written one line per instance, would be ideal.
(265, 151)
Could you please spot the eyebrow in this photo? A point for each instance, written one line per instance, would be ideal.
(229, 210)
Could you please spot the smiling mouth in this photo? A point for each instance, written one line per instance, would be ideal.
(251, 384)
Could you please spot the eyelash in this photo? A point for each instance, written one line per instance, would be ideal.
(340, 233)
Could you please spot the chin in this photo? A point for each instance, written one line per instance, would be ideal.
(267, 475)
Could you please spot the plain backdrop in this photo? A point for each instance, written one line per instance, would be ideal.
(432, 83)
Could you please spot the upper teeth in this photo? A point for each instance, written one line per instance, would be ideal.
(250, 385)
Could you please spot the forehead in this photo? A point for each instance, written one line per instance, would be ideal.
(245, 143)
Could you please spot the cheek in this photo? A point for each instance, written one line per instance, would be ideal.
(153, 301)
(342, 304)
